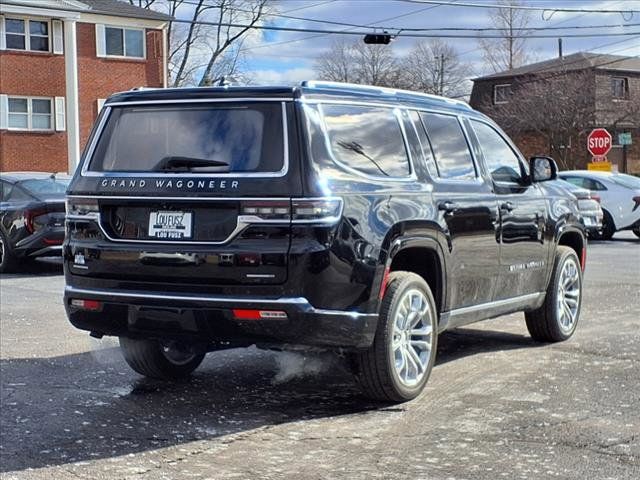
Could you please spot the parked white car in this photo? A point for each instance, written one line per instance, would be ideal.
(619, 196)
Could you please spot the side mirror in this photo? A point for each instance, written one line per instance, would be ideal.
(543, 169)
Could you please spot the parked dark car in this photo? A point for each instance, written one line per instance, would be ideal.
(354, 218)
(31, 216)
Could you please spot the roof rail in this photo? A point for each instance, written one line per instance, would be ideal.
(377, 89)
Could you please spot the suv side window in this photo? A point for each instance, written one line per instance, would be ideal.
(501, 161)
(367, 139)
(450, 147)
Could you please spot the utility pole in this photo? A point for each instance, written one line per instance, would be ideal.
(441, 71)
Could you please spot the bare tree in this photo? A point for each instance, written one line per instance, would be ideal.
(359, 63)
(248, 12)
(511, 50)
(434, 67)
(336, 64)
(206, 48)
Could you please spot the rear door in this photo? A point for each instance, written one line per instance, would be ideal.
(524, 247)
(204, 188)
(468, 210)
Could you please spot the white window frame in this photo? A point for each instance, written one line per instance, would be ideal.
(124, 42)
(625, 86)
(495, 90)
(27, 33)
(30, 114)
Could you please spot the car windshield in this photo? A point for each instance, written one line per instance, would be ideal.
(626, 180)
(199, 138)
(51, 186)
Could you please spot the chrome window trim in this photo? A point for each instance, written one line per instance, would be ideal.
(396, 113)
(85, 172)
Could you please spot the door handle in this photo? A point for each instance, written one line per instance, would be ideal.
(448, 207)
(507, 207)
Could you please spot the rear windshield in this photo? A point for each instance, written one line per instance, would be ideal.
(199, 138)
(46, 186)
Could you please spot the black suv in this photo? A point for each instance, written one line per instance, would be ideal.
(355, 218)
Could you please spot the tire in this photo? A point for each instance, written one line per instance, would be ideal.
(155, 360)
(8, 260)
(636, 232)
(388, 371)
(608, 227)
(555, 321)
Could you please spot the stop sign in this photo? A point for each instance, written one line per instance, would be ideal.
(599, 142)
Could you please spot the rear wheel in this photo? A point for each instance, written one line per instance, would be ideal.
(608, 227)
(7, 258)
(398, 364)
(557, 319)
(153, 359)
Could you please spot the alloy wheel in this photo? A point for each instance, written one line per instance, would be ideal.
(568, 298)
(411, 346)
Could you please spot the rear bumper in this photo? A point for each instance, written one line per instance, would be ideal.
(46, 242)
(210, 318)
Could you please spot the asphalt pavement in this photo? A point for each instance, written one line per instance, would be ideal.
(497, 405)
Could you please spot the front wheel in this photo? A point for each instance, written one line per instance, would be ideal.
(557, 319)
(398, 364)
(162, 361)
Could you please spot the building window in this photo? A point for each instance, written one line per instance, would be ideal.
(124, 42)
(501, 93)
(620, 88)
(21, 34)
(29, 113)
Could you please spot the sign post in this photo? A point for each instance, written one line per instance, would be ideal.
(599, 143)
(624, 139)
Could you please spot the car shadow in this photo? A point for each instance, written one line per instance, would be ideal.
(41, 267)
(89, 405)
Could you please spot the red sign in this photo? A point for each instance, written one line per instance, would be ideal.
(599, 142)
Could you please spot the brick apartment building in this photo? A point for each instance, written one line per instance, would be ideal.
(59, 60)
(608, 90)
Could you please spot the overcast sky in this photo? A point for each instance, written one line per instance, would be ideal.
(285, 57)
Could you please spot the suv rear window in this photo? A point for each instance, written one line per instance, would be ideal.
(199, 138)
(367, 139)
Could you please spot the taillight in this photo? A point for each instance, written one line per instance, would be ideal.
(316, 210)
(595, 197)
(81, 207)
(323, 210)
(637, 201)
(267, 210)
(35, 220)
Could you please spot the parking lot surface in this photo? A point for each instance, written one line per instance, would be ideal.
(498, 405)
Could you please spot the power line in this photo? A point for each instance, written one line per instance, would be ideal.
(427, 29)
(521, 7)
(399, 34)
(310, 37)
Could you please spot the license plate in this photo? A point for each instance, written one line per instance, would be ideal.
(170, 224)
